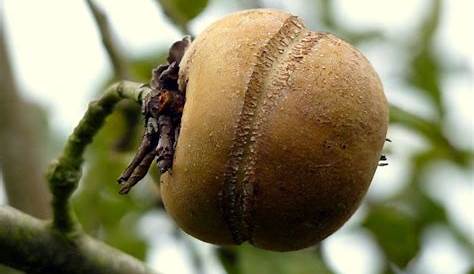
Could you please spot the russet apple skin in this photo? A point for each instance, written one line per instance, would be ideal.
(281, 133)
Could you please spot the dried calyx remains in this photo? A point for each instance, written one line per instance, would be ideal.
(280, 132)
(162, 110)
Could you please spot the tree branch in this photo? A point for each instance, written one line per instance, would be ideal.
(65, 172)
(119, 63)
(36, 246)
(20, 142)
(33, 246)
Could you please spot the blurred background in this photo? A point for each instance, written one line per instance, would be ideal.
(418, 214)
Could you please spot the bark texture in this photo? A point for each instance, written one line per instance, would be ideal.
(35, 246)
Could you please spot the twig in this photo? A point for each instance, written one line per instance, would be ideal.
(65, 172)
(116, 57)
(29, 244)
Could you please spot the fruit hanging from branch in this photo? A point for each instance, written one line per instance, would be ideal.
(266, 132)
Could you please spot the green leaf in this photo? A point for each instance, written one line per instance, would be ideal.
(432, 131)
(396, 233)
(257, 261)
(182, 11)
(6, 270)
(229, 257)
(425, 67)
(424, 74)
(142, 66)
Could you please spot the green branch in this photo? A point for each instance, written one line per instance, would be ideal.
(64, 173)
(30, 245)
(60, 246)
(35, 246)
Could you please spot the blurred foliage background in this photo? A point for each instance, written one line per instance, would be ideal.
(396, 226)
